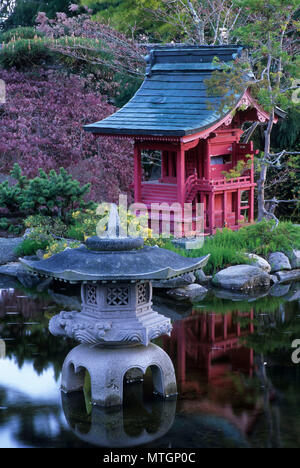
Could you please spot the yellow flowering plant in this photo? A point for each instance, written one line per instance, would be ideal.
(59, 246)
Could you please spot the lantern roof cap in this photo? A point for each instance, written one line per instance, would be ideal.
(82, 264)
(114, 257)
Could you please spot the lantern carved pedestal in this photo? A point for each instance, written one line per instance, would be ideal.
(113, 313)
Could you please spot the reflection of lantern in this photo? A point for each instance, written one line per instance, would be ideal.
(115, 273)
(2, 349)
(110, 428)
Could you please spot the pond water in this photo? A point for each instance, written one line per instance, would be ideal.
(237, 384)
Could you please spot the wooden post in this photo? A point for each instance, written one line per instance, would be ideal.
(212, 327)
(211, 212)
(181, 175)
(206, 162)
(251, 203)
(224, 207)
(238, 207)
(225, 326)
(137, 174)
(164, 164)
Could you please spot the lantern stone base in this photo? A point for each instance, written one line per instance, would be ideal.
(107, 367)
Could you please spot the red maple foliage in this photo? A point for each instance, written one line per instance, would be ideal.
(41, 126)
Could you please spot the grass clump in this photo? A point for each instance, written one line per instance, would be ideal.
(228, 247)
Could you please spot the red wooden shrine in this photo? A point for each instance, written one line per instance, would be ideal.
(172, 115)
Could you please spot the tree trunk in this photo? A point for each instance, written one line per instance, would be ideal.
(264, 168)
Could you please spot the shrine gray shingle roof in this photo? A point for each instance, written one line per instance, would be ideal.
(173, 98)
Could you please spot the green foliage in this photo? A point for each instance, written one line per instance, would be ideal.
(53, 194)
(83, 224)
(239, 169)
(127, 15)
(25, 53)
(10, 196)
(19, 33)
(55, 247)
(37, 240)
(15, 229)
(51, 225)
(4, 223)
(228, 247)
(211, 303)
(25, 11)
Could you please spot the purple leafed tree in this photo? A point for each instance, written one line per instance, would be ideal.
(41, 127)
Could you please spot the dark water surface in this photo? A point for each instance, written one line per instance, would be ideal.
(237, 384)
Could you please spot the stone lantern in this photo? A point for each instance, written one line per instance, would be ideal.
(117, 322)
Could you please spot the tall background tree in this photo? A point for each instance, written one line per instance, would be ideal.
(271, 33)
(24, 12)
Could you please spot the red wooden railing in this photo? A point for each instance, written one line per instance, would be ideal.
(190, 184)
(193, 184)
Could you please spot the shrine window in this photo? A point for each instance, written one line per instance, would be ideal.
(220, 159)
(151, 163)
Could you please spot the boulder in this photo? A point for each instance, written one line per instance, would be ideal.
(7, 282)
(11, 269)
(294, 293)
(294, 257)
(201, 277)
(274, 279)
(177, 282)
(28, 280)
(258, 261)
(286, 276)
(192, 292)
(7, 249)
(235, 296)
(279, 290)
(279, 261)
(242, 278)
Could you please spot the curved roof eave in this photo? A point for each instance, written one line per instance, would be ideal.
(173, 100)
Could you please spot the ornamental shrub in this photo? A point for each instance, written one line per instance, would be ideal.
(19, 33)
(50, 224)
(24, 53)
(55, 194)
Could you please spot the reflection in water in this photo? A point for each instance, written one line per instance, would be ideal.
(237, 383)
(2, 349)
(120, 426)
(214, 368)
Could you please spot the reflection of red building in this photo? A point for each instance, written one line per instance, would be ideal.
(210, 358)
(209, 343)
